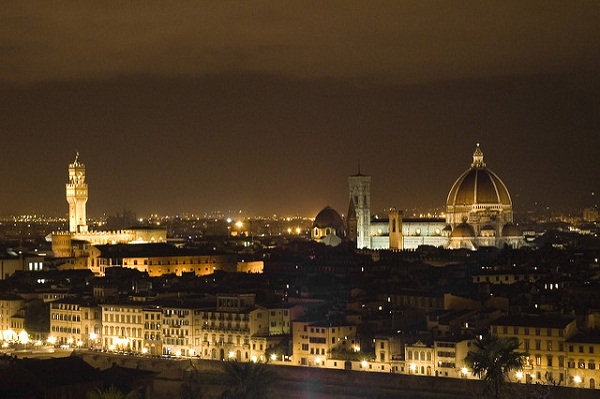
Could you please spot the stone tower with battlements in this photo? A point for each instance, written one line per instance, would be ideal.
(77, 196)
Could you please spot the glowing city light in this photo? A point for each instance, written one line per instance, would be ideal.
(231, 355)
(519, 375)
(254, 359)
(51, 340)
(273, 357)
(23, 337)
(577, 379)
(318, 360)
(413, 367)
(364, 363)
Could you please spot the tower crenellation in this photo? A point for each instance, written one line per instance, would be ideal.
(77, 196)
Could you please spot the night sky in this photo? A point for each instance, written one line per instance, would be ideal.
(268, 106)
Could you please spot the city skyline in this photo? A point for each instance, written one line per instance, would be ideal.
(268, 107)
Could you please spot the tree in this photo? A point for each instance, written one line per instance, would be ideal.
(37, 316)
(492, 361)
(248, 380)
(111, 393)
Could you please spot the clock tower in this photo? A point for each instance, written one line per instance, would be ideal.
(77, 196)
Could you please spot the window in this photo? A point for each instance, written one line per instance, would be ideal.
(581, 364)
(549, 359)
(537, 331)
(549, 345)
(591, 349)
(592, 365)
(538, 360)
(538, 344)
(549, 332)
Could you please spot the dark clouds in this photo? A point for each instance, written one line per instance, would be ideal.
(268, 106)
(404, 41)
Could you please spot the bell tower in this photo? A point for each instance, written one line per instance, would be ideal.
(77, 196)
(360, 195)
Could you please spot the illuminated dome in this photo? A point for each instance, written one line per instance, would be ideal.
(479, 197)
(327, 225)
(328, 217)
(463, 230)
(511, 230)
(478, 186)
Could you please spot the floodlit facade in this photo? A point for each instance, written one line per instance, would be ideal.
(10, 304)
(545, 339)
(77, 197)
(316, 343)
(123, 326)
(75, 322)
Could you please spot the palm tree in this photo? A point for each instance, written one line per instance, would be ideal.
(111, 393)
(494, 358)
(248, 380)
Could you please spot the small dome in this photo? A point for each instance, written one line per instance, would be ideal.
(328, 217)
(447, 228)
(463, 230)
(511, 230)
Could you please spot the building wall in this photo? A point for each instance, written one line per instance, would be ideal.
(9, 306)
(74, 324)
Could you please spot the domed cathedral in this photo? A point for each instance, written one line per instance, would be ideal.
(479, 209)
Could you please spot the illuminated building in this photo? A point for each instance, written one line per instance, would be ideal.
(152, 330)
(420, 358)
(9, 306)
(123, 326)
(316, 344)
(159, 259)
(178, 329)
(479, 213)
(75, 322)
(328, 227)
(77, 196)
(583, 360)
(545, 339)
(239, 329)
(360, 195)
(479, 209)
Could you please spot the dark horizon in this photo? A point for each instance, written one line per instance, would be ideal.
(268, 109)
